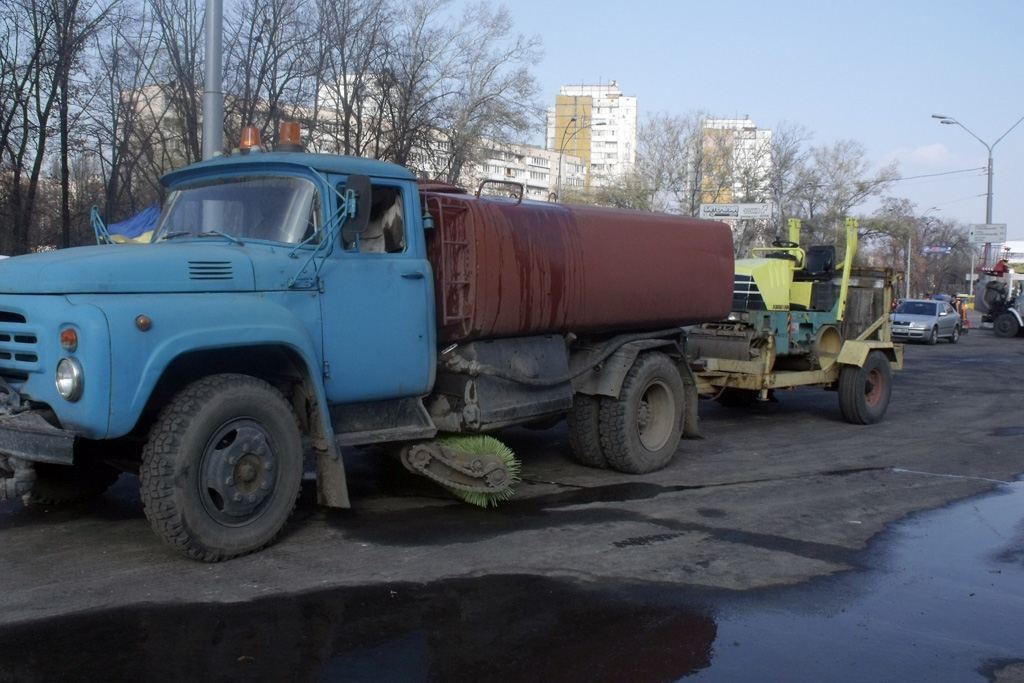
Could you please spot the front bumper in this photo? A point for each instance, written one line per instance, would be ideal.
(907, 333)
(28, 436)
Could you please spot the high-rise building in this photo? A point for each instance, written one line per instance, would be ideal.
(736, 161)
(597, 124)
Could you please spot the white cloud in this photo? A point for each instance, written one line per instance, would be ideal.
(935, 154)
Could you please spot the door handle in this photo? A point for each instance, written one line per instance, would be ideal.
(413, 275)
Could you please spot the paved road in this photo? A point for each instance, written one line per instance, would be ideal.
(587, 575)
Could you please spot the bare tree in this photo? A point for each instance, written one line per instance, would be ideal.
(119, 120)
(831, 183)
(671, 160)
(176, 99)
(74, 23)
(352, 46)
(493, 89)
(30, 89)
(269, 64)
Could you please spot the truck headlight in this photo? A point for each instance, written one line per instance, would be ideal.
(70, 379)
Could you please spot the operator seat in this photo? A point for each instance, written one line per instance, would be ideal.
(819, 264)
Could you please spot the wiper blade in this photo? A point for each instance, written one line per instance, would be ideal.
(172, 235)
(218, 233)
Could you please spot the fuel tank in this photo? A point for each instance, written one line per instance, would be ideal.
(505, 268)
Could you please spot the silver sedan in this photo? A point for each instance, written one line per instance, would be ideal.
(925, 320)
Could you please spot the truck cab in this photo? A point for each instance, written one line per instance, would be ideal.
(259, 281)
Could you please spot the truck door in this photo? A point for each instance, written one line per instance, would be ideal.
(377, 305)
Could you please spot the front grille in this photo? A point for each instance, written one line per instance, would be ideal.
(745, 295)
(19, 354)
(210, 270)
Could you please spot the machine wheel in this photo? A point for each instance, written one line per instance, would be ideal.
(864, 392)
(222, 468)
(640, 430)
(955, 337)
(584, 432)
(1005, 325)
(933, 337)
(64, 484)
(737, 398)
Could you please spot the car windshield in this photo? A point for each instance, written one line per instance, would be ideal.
(275, 208)
(916, 308)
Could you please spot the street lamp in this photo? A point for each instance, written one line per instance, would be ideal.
(561, 154)
(950, 121)
(565, 143)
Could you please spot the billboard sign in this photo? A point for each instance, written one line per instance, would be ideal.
(988, 233)
(736, 211)
(932, 249)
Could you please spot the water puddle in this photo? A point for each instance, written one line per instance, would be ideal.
(943, 601)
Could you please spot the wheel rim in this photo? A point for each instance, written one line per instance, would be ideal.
(873, 387)
(238, 473)
(655, 417)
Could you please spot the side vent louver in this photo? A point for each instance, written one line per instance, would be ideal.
(209, 270)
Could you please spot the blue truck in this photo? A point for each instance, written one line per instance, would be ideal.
(287, 306)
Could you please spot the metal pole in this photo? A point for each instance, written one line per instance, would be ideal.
(907, 295)
(213, 87)
(561, 154)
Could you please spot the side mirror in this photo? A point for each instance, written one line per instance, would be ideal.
(358, 216)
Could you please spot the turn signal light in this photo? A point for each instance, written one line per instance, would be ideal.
(68, 339)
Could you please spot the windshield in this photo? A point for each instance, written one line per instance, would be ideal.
(916, 308)
(276, 208)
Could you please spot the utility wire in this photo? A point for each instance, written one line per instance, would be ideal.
(933, 175)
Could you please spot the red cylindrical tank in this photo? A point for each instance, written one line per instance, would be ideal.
(505, 269)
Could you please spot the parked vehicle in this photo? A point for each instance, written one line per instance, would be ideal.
(926, 320)
(801, 319)
(1000, 303)
(292, 298)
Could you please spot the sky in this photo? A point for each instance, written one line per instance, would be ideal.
(863, 70)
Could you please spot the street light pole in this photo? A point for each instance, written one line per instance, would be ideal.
(950, 121)
(561, 155)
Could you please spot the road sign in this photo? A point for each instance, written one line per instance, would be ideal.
(736, 211)
(936, 249)
(988, 233)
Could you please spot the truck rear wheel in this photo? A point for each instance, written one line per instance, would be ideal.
(864, 392)
(1006, 325)
(640, 430)
(222, 468)
(585, 432)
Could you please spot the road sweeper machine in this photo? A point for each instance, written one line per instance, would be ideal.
(294, 303)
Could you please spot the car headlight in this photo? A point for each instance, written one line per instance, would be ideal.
(69, 379)
(917, 326)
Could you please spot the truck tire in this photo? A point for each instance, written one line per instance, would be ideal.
(640, 430)
(65, 484)
(585, 432)
(864, 392)
(222, 468)
(933, 337)
(1005, 325)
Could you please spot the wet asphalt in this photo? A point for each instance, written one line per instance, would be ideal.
(899, 560)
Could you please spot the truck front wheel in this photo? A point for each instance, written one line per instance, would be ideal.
(1006, 325)
(640, 430)
(864, 392)
(222, 468)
